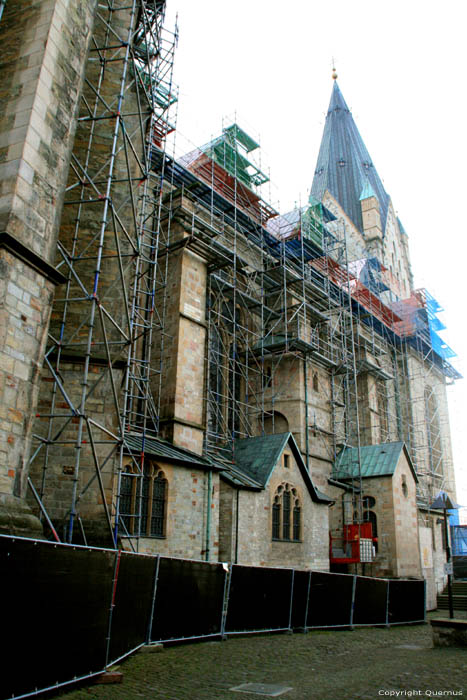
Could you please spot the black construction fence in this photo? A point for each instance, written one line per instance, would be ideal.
(70, 612)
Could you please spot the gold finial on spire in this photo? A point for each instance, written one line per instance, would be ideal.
(334, 73)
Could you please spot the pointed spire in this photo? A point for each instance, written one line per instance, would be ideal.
(344, 166)
(337, 100)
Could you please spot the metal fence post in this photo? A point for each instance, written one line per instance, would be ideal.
(225, 600)
(352, 605)
(305, 626)
(112, 604)
(154, 591)
(291, 599)
(388, 583)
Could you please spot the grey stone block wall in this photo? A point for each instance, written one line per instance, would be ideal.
(44, 45)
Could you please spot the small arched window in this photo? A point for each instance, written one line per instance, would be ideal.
(315, 381)
(286, 514)
(405, 488)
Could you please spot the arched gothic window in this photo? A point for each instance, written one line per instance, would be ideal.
(128, 501)
(143, 502)
(286, 514)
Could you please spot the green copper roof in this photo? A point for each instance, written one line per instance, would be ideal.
(256, 458)
(376, 460)
(367, 191)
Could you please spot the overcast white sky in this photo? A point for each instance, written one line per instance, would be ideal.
(402, 68)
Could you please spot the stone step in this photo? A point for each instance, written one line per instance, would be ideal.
(457, 587)
(459, 602)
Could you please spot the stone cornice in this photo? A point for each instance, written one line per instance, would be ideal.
(28, 256)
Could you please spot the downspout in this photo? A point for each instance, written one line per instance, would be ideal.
(236, 527)
(208, 518)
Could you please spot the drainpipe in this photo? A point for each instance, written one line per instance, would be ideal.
(208, 518)
(236, 527)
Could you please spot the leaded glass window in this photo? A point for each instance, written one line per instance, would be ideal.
(143, 502)
(276, 519)
(286, 514)
(296, 521)
(158, 506)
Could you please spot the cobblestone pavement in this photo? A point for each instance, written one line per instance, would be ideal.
(367, 663)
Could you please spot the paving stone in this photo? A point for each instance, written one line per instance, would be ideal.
(271, 690)
(366, 663)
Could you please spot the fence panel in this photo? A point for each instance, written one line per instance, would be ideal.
(259, 599)
(406, 601)
(330, 602)
(301, 593)
(57, 599)
(132, 603)
(56, 602)
(371, 601)
(189, 599)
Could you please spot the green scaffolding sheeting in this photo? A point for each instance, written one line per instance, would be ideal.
(229, 151)
(163, 95)
(313, 222)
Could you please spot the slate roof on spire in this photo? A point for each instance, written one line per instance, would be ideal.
(344, 165)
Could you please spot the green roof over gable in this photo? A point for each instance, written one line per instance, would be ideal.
(256, 458)
(376, 460)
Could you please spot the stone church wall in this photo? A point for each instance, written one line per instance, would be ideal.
(406, 523)
(43, 51)
(186, 533)
(255, 544)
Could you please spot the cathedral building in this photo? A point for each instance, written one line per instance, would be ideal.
(186, 370)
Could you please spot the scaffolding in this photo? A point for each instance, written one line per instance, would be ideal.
(303, 331)
(99, 382)
(397, 344)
